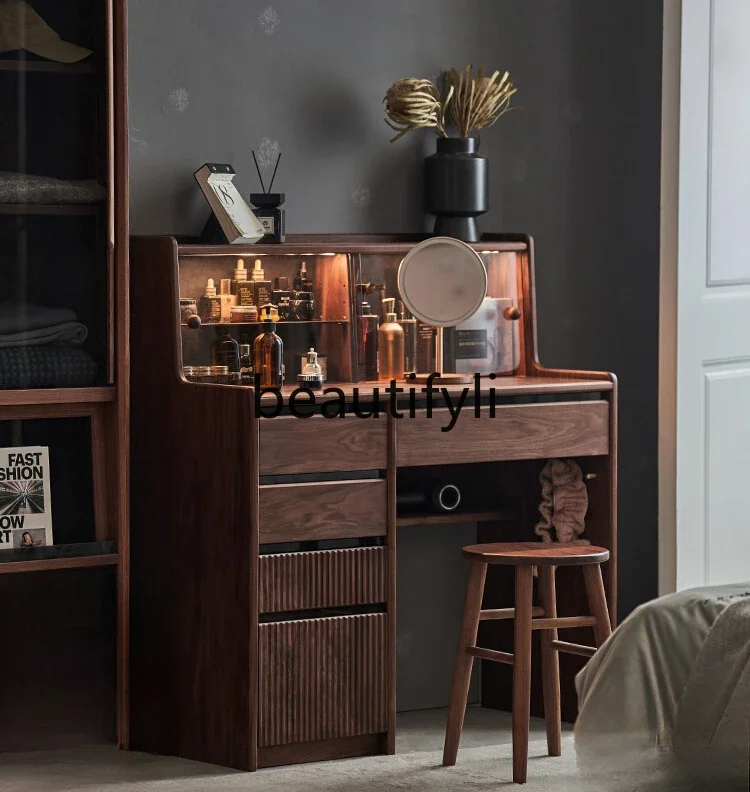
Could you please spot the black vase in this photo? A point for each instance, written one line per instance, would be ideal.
(456, 188)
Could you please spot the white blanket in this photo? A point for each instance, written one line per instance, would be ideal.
(675, 676)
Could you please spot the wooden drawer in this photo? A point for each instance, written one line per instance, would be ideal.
(323, 578)
(322, 510)
(523, 431)
(322, 445)
(322, 679)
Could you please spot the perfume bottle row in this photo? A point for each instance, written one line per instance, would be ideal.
(394, 348)
(242, 300)
(258, 363)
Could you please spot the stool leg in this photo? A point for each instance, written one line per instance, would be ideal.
(464, 662)
(592, 576)
(522, 670)
(550, 662)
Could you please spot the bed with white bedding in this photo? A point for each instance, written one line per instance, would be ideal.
(674, 680)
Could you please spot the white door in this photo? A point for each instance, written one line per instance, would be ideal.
(713, 296)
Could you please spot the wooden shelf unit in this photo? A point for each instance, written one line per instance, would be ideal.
(455, 517)
(47, 67)
(89, 474)
(52, 209)
(276, 679)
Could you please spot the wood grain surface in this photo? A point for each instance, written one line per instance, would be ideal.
(323, 578)
(323, 679)
(532, 431)
(322, 510)
(317, 444)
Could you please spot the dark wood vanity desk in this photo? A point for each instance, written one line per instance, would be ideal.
(263, 550)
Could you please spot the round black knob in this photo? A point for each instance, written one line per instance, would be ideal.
(193, 322)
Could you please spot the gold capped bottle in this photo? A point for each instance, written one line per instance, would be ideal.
(390, 344)
(269, 353)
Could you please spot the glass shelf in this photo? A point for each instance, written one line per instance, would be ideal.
(280, 322)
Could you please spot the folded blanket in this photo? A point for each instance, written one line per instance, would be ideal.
(672, 685)
(17, 317)
(67, 332)
(25, 188)
(45, 367)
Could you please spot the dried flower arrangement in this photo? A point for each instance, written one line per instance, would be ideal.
(470, 101)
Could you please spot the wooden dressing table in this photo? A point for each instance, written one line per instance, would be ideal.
(263, 550)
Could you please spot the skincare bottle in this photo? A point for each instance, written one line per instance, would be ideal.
(302, 282)
(246, 365)
(409, 326)
(312, 374)
(262, 287)
(367, 342)
(390, 344)
(209, 308)
(227, 299)
(225, 351)
(269, 350)
(242, 288)
(425, 348)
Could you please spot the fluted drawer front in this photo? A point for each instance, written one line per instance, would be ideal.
(323, 578)
(323, 678)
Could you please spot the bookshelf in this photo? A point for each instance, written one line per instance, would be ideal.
(68, 121)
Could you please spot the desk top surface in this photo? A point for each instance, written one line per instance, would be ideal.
(503, 387)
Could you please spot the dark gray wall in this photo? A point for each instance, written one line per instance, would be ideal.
(577, 165)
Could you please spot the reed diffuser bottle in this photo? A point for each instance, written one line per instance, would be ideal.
(390, 344)
(269, 352)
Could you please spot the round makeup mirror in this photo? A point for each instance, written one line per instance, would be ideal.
(442, 281)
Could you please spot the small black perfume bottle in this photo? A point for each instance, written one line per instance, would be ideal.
(271, 217)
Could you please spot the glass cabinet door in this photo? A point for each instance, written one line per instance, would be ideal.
(55, 299)
(488, 342)
(310, 296)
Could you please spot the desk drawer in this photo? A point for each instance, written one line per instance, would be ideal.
(322, 679)
(323, 579)
(322, 510)
(523, 431)
(322, 445)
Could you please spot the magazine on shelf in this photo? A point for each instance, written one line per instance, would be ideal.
(25, 505)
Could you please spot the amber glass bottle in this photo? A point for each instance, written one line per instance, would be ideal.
(269, 353)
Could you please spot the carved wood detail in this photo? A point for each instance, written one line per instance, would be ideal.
(324, 578)
(323, 678)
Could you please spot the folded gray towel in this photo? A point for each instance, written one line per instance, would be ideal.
(46, 367)
(18, 317)
(26, 188)
(73, 333)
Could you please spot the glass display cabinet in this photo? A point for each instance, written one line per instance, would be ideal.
(268, 536)
(343, 301)
(64, 371)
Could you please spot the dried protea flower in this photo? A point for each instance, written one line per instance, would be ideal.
(478, 101)
(412, 103)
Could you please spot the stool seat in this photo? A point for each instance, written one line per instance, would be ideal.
(536, 554)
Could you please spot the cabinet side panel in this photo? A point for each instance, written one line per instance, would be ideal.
(194, 502)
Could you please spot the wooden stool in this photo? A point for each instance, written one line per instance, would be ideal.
(524, 556)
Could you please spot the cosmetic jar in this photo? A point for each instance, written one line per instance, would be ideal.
(187, 372)
(243, 314)
(302, 306)
(219, 375)
(188, 308)
(202, 374)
